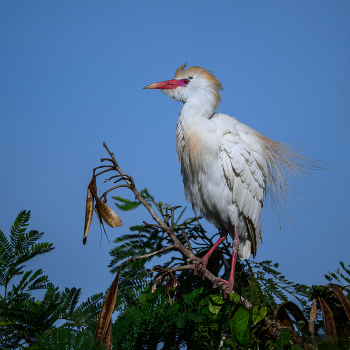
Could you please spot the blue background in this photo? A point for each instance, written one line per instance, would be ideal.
(71, 77)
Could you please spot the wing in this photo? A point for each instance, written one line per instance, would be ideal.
(243, 167)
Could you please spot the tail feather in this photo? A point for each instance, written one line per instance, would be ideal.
(283, 162)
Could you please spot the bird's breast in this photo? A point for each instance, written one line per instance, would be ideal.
(198, 147)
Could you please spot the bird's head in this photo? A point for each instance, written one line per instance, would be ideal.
(191, 83)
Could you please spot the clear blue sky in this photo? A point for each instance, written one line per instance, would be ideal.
(71, 77)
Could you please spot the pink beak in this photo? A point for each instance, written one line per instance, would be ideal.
(168, 84)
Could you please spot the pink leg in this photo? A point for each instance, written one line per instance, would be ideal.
(204, 260)
(231, 281)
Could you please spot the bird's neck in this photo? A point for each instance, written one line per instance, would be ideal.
(199, 107)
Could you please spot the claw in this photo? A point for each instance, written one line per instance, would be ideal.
(230, 283)
(203, 261)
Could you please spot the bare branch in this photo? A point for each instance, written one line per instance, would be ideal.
(113, 188)
(188, 241)
(146, 255)
(101, 166)
(172, 209)
(114, 176)
(137, 194)
(105, 171)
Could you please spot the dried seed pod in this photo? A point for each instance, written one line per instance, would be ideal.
(107, 214)
(88, 213)
(107, 309)
(328, 320)
(92, 185)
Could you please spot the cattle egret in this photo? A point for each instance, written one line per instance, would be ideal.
(226, 166)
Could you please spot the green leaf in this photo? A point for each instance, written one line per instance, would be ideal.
(269, 345)
(214, 309)
(128, 204)
(328, 278)
(240, 326)
(283, 339)
(217, 299)
(300, 324)
(246, 336)
(235, 298)
(258, 315)
(296, 347)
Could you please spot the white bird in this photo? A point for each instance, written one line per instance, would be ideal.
(226, 166)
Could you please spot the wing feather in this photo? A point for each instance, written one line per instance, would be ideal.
(246, 178)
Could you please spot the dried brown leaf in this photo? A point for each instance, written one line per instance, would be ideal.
(157, 281)
(167, 286)
(284, 318)
(165, 272)
(154, 287)
(296, 313)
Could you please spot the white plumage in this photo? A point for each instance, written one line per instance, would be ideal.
(224, 176)
(226, 166)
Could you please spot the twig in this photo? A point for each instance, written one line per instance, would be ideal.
(225, 262)
(105, 171)
(198, 222)
(113, 188)
(172, 227)
(146, 255)
(112, 177)
(101, 166)
(188, 241)
(182, 268)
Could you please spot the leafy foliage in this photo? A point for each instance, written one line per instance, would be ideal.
(194, 315)
(24, 319)
(341, 276)
(66, 338)
(20, 249)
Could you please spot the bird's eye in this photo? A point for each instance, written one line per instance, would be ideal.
(186, 81)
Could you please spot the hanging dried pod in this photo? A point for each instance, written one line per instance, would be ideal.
(108, 339)
(88, 213)
(91, 191)
(344, 300)
(103, 327)
(107, 214)
(328, 320)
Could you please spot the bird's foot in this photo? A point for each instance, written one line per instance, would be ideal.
(226, 284)
(199, 261)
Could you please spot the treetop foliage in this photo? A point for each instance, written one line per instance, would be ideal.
(149, 314)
